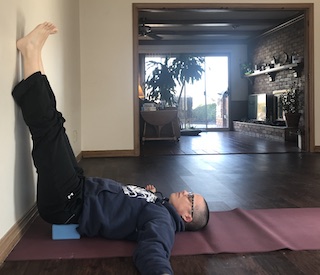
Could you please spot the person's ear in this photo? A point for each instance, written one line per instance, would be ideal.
(187, 218)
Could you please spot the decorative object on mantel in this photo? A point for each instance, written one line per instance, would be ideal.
(246, 68)
(283, 58)
(290, 106)
(272, 72)
(278, 63)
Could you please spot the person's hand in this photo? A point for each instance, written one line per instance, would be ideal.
(151, 188)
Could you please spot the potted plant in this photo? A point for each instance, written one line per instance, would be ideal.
(246, 68)
(291, 106)
(161, 83)
(187, 69)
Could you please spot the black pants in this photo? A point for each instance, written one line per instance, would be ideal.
(60, 179)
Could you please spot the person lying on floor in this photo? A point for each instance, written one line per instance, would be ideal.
(101, 207)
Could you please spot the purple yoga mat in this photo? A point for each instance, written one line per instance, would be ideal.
(235, 231)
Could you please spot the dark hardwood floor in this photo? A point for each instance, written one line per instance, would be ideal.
(239, 172)
(227, 142)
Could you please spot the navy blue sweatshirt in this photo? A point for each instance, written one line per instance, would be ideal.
(114, 211)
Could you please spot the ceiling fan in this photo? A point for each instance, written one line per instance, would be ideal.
(145, 30)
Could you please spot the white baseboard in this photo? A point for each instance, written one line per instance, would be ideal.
(13, 236)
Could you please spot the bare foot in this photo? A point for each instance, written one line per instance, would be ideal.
(35, 40)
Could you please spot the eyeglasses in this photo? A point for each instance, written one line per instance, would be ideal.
(191, 198)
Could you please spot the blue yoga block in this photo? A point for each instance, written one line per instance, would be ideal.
(65, 232)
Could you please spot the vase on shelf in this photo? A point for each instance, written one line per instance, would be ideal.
(292, 119)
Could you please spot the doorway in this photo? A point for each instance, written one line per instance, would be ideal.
(307, 9)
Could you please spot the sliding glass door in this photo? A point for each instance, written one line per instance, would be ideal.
(205, 102)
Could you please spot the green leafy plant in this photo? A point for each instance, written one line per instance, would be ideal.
(187, 69)
(290, 100)
(162, 81)
(246, 68)
(201, 113)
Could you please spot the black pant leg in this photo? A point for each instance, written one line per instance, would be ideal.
(59, 188)
(68, 146)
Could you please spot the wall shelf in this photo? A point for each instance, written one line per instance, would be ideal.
(272, 72)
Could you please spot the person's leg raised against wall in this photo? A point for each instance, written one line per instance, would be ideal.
(59, 187)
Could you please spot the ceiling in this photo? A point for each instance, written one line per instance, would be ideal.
(182, 26)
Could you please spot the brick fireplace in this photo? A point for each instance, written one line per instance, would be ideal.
(276, 133)
(279, 45)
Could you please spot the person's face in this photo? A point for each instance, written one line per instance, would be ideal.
(185, 202)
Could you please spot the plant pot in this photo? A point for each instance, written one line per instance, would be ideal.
(292, 119)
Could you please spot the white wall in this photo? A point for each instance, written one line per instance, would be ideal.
(106, 75)
(62, 63)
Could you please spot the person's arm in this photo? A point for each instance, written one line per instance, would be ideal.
(156, 232)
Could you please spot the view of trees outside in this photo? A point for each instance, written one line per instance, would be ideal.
(203, 103)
